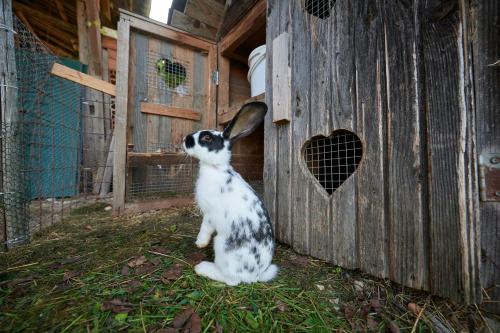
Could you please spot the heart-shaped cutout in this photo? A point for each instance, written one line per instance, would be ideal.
(332, 160)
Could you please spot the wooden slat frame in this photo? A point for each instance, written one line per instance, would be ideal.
(162, 110)
(127, 22)
(83, 79)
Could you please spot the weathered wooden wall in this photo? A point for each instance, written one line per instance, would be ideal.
(486, 52)
(397, 73)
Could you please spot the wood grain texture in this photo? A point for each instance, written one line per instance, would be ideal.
(300, 41)
(343, 224)
(446, 124)
(120, 148)
(284, 153)
(281, 79)
(487, 83)
(270, 131)
(320, 219)
(206, 11)
(166, 32)
(162, 110)
(192, 25)
(83, 79)
(407, 206)
(248, 25)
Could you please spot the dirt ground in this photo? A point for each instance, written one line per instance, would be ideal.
(95, 273)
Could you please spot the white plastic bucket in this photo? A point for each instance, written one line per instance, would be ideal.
(257, 72)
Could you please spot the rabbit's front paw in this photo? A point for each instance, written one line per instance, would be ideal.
(202, 241)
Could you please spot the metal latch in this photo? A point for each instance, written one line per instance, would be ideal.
(215, 77)
(489, 176)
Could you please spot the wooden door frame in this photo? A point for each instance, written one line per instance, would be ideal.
(133, 22)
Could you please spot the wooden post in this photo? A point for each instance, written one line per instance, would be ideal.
(14, 219)
(120, 136)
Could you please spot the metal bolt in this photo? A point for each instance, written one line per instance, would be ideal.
(495, 160)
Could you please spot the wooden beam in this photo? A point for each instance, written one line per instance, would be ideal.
(120, 149)
(83, 79)
(49, 19)
(253, 21)
(162, 110)
(60, 9)
(167, 32)
(191, 25)
(282, 94)
(106, 9)
(83, 49)
(206, 11)
(94, 37)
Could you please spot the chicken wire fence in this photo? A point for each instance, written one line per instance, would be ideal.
(55, 148)
(333, 159)
(319, 8)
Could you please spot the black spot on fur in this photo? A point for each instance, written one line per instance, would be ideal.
(212, 142)
(253, 250)
(189, 141)
(229, 180)
(222, 190)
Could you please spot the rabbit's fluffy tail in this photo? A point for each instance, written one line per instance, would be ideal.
(269, 274)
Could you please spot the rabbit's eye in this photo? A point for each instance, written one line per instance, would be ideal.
(206, 138)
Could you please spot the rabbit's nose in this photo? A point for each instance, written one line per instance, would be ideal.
(189, 141)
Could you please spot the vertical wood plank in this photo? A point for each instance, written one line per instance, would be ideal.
(270, 130)
(200, 93)
(153, 95)
(300, 40)
(320, 221)
(408, 234)
(285, 153)
(487, 83)
(447, 124)
(164, 123)
(139, 120)
(120, 149)
(343, 225)
(210, 121)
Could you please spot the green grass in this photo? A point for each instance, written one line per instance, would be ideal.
(64, 280)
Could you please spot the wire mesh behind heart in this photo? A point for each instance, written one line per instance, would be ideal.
(332, 160)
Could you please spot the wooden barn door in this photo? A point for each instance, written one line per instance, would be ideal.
(164, 92)
(397, 75)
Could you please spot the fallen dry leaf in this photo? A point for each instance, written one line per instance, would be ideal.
(195, 258)
(116, 305)
(171, 273)
(145, 269)
(137, 261)
(181, 319)
(125, 271)
(193, 325)
(70, 275)
(133, 285)
(281, 306)
(371, 323)
(393, 327)
(161, 249)
(375, 303)
(168, 330)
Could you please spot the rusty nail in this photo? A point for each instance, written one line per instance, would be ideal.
(495, 160)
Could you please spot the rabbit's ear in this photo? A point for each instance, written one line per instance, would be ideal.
(250, 116)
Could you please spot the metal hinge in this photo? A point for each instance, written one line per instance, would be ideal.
(215, 77)
(489, 176)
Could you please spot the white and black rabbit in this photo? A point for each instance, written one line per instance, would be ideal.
(244, 241)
